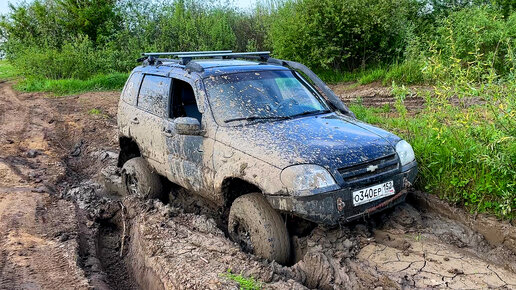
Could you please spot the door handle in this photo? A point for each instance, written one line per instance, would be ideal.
(167, 133)
(135, 121)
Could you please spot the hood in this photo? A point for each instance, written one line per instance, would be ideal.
(331, 140)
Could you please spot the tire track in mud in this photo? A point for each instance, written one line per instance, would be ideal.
(171, 246)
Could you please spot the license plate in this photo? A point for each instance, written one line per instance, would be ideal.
(373, 193)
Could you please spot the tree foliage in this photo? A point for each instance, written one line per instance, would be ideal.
(343, 34)
(108, 35)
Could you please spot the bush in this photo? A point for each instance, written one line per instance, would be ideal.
(7, 71)
(342, 35)
(76, 59)
(42, 44)
(474, 43)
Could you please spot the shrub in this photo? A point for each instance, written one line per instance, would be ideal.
(342, 35)
(76, 59)
(474, 43)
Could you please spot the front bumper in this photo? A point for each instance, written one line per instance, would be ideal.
(336, 207)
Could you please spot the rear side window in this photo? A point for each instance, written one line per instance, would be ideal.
(131, 88)
(154, 94)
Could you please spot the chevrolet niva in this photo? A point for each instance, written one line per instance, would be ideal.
(264, 139)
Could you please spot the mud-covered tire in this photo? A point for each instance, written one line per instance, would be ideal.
(140, 180)
(258, 228)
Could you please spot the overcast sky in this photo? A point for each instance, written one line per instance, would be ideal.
(4, 8)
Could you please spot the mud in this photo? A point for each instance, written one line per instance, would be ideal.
(63, 225)
(376, 95)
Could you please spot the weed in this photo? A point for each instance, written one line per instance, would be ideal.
(245, 283)
(400, 93)
(96, 112)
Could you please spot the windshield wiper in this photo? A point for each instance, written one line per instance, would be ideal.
(310, 113)
(252, 118)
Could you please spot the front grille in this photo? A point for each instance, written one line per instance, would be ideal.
(358, 174)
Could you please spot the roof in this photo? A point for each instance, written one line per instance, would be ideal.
(212, 67)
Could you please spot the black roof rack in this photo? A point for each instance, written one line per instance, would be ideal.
(184, 52)
(185, 57)
(259, 55)
(153, 58)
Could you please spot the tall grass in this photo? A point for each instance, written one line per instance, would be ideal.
(406, 72)
(103, 82)
(7, 70)
(466, 155)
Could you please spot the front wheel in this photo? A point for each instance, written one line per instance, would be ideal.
(140, 180)
(258, 228)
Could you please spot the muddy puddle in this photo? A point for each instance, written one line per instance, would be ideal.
(178, 242)
(63, 222)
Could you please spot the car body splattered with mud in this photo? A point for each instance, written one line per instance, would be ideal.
(264, 139)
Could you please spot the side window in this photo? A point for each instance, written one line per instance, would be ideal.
(131, 88)
(183, 101)
(154, 94)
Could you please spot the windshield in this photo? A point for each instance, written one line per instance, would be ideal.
(265, 95)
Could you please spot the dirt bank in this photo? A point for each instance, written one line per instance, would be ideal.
(376, 95)
(62, 224)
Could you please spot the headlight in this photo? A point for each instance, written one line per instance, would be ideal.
(405, 152)
(307, 179)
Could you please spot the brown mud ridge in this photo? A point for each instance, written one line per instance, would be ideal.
(377, 95)
(62, 226)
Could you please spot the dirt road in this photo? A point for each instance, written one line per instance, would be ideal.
(63, 226)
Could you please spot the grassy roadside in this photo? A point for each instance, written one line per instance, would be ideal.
(101, 82)
(408, 72)
(107, 82)
(466, 149)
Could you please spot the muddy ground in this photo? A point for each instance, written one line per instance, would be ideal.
(62, 225)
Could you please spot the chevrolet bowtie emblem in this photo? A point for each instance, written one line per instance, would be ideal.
(372, 168)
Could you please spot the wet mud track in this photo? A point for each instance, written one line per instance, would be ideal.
(63, 225)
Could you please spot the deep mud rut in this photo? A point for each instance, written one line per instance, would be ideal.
(62, 225)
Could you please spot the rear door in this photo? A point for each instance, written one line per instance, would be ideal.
(127, 104)
(149, 122)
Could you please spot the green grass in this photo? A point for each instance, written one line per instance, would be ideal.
(107, 82)
(246, 283)
(7, 71)
(95, 112)
(334, 77)
(372, 75)
(408, 72)
(466, 156)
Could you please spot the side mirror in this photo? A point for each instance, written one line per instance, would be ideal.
(187, 126)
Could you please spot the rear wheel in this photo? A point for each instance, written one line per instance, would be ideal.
(140, 180)
(258, 228)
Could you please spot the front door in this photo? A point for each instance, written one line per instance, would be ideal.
(189, 156)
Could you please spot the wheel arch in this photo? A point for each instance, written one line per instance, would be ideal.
(233, 187)
(128, 149)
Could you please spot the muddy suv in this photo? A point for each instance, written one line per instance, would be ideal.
(264, 139)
